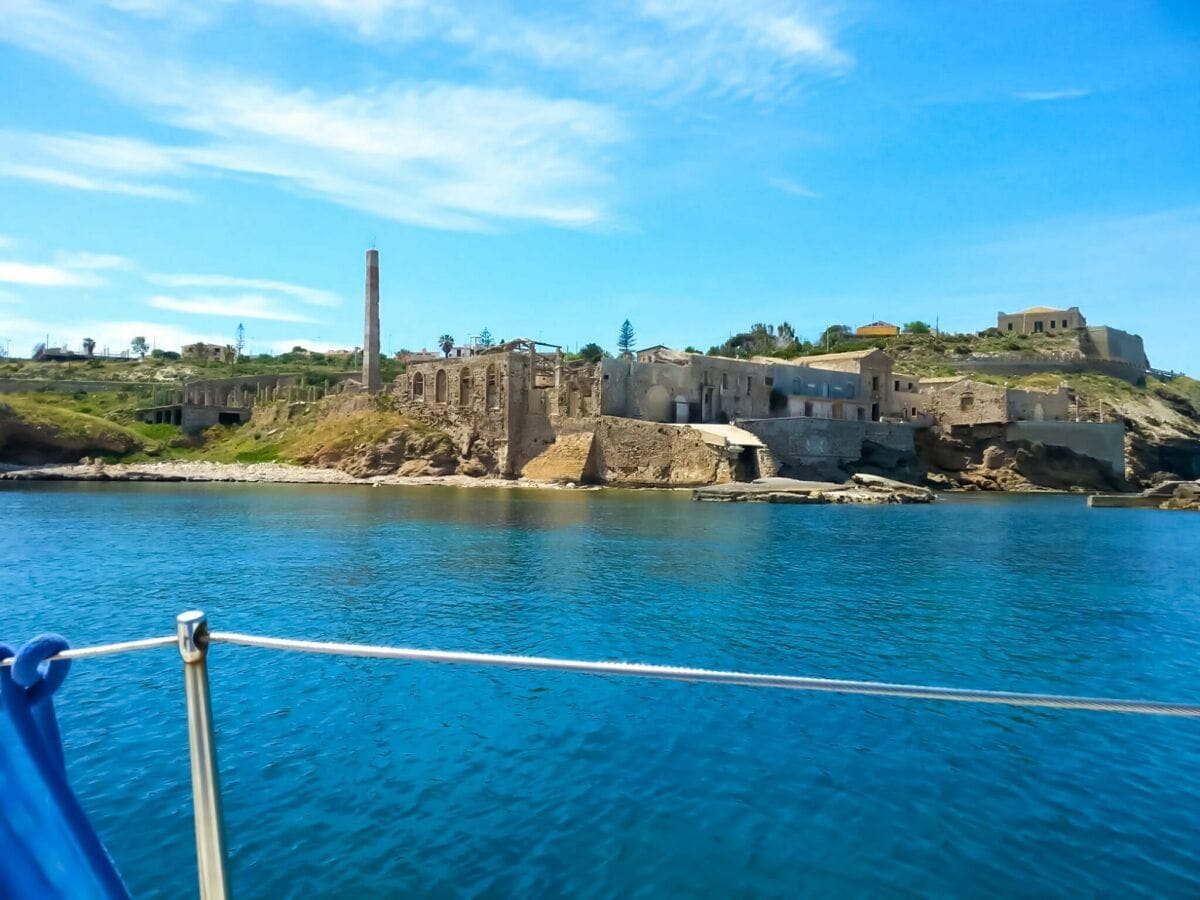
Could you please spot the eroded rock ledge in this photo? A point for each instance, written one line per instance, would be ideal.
(869, 489)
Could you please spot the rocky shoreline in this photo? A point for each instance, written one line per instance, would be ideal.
(249, 473)
(868, 489)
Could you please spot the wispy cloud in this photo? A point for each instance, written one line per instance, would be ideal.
(110, 335)
(313, 296)
(81, 182)
(440, 155)
(794, 188)
(242, 306)
(666, 46)
(70, 269)
(1043, 96)
(93, 261)
(38, 275)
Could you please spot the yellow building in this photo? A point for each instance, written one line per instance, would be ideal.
(877, 329)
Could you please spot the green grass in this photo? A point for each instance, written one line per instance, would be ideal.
(61, 426)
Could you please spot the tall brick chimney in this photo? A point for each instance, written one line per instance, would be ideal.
(370, 375)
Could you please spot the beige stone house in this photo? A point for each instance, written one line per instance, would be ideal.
(1041, 320)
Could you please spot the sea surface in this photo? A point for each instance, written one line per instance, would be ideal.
(363, 778)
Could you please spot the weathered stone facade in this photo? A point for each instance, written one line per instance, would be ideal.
(511, 400)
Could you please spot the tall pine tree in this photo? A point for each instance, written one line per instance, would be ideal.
(626, 338)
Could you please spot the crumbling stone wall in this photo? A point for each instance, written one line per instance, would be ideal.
(502, 406)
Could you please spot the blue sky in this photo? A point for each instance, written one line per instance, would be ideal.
(174, 167)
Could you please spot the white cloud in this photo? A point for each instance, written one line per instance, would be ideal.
(93, 261)
(36, 275)
(70, 269)
(749, 49)
(80, 182)
(438, 155)
(243, 306)
(110, 336)
(312, 296)
(1042, 96)
(793, 187)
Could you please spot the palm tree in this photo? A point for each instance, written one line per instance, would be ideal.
(446, 342)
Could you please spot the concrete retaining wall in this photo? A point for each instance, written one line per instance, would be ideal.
(803, 442)
(1102, 441)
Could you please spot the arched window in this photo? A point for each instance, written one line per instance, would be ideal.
(464, 387)
(418, 388)
(439, 386)
(493, 388)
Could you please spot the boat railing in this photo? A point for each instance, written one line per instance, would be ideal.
(194, 638)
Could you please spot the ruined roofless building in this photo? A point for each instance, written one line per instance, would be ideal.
(371, 382)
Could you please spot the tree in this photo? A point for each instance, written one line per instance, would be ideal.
(89, 346)
(917, 327)
(446, 342)
(592, 352)
(485, 338)
(785, 333)
(833, 334)
(626, 337)
(139, 346)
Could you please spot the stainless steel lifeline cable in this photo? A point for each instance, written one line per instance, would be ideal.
(193, 640)
(670, 673)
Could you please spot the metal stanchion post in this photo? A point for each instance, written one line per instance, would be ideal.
(191, 628)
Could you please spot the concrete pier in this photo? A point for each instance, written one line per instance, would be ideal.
(370, 375)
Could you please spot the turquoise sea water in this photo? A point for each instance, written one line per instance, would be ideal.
(360, 778)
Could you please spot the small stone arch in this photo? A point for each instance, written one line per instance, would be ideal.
(418, 388)
(464, 387)
(439, 386)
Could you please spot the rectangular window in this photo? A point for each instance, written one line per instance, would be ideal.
(897, 387)
(910, 385)
(874, 382)
(1064, 323)
(1037, 328)
(1053, 322)
(749, 382)
(1010, 326)
(724, 380)
(770, 381)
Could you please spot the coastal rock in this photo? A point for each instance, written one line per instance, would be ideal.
(1185, 496)
(862, 489)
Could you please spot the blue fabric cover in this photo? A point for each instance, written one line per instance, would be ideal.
(48, 848)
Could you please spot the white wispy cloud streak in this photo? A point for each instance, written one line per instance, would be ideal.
(114, 335)
(40, 275)
(242, 306)
(747, 49)
(1044, 96)
(313, 296)
(439, 155)
(70, 269)
(794, 188)
(80, 182)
